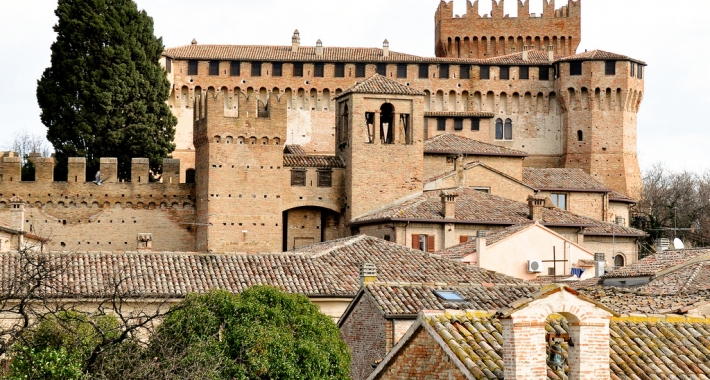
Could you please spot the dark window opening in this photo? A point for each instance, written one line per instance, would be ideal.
(640, 72)
(485, 72)
(340, 70)
(458, 124)
(169, 65)
(465, 72)
(618, 261)
(508, 129)
(610, 67)
(298, 69)
(444, 71)
(277, 69)
(499, 129)
(214, 67)
(633, 69)
(387, 124)
(404, 122)
(524, 72)
(505, 72)
(382, 69)
(441, 124)
(192, 68)
(318, 70)
(325, 178)
(370, 121)
(544, 73)
(256, 69)
(580, 136)
(360, 70)
(575, 68)
(235, 68)
(401, 70)
(190, 176)
(423, 71)
(298, 177)
(475, 124)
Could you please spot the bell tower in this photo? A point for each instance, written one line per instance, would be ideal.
(380, 137)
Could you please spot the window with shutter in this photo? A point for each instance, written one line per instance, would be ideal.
(298, 69)
(360, 70)
(505, 72)
(441, 124)
(277, 69)
(318, 70)
(401, 70)
(298, 177)
(192, 68)
(415, 241)
(325, 178)
(214, 67)
(423, 71)
(444, 71)
(458, 124)
(382, 69)
(465, 72)
(524, 72)
(463, 239)
(340, 70)
(430, 244)
(256, 69)
(485, 72)
(235, 68)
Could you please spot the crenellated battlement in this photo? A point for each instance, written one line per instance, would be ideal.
(496, 34)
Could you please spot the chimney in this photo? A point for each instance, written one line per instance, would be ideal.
(386, 49)
(480, 244)
(295, 41)
(536, 203)
(194, 41)
(17, 213)
(599, 259)
(144, 242)
(551, 53)
(448, 204)
(319, 48)
(525, 52)
(368, 274)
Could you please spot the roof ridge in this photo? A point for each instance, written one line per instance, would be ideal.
(347, 242)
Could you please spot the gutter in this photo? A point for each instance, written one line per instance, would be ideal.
(463, 221)
(476, 153)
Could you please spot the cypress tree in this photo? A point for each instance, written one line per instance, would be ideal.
(105, 93)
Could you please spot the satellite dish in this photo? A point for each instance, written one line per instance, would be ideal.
(678, 244)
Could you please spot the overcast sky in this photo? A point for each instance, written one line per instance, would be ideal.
(671, 36)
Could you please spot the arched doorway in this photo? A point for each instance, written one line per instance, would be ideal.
(387, 123)
(309, 225)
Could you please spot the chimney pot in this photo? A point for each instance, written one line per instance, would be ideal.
(599, 259)
(194, 41)
(536, 204)
(368, 274)
(295, 41)
(386, 49)
(319, 48)
(448, 204)
(144, 242)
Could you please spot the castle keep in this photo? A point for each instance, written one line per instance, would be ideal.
(284, 146)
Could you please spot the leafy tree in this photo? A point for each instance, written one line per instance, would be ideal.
(105, 93)
(261, 333)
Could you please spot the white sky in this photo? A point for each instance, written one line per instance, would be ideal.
(671, 36)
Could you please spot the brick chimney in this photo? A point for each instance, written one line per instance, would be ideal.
(525, 52)
(319, 48)
(368, 274)
(536, 203)
(448, 204)
(144, 242)
(386, 49)
(295, 41)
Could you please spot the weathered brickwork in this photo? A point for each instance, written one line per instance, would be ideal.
(365, 333)
(473, 36)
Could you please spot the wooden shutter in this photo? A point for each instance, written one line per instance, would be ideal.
(463, 239)
(415, 241)
(430, 244)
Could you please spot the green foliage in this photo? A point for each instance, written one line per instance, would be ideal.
(28, 169)
(59, 346)
(261, 333)
(105, 93)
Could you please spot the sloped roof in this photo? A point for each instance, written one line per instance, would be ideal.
(657, 262)
(294, 149)
(448, 143)
(312, 161)
(329, 269)
(535, 57)
(378, 84)
(469, 247)
(618, 196)
(475, 207)
(600, 55)
(639, 348)
(637, 301)
(563, 179)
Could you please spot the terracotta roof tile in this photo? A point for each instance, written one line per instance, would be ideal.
(599, 55)
(657, 262)
(448, 144)
(621, 197)
(299, 160)
(378, 84)
(535, 57)
(562, 179)
(637, 301)
(294, 149)
(465, 249)
(462, 114)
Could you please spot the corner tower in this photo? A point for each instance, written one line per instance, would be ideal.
(239, 158)
(600, 94)
(380, 137)
(473, 36)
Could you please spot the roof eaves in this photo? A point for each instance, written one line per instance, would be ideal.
(475, 153)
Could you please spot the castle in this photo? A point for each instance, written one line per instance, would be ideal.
(284, 146)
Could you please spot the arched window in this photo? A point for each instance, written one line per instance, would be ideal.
(499, 129)
(619, 261)
(387, 123)
(190, 176)
(508, 129)
(580, 136)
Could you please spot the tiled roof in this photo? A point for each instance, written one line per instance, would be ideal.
(475, 207)
(448, 143)
(294, 149)
(397, 299)
(378, 84)
(599, 55)
(621, 197)
(657, 262)
(329, 269)
(465, 249)
(562, 179)
(535, 57)
(639, 348)
(635, 300)
(462, 114)
(299, 160)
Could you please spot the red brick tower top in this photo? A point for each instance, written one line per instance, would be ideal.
(475, 36)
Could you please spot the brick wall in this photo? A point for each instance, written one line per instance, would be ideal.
(365, 333)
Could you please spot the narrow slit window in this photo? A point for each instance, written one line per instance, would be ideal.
(169, 65)
(640, 72)
(277, 69)
(580, 136)
(633, 69)
(524, 72)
